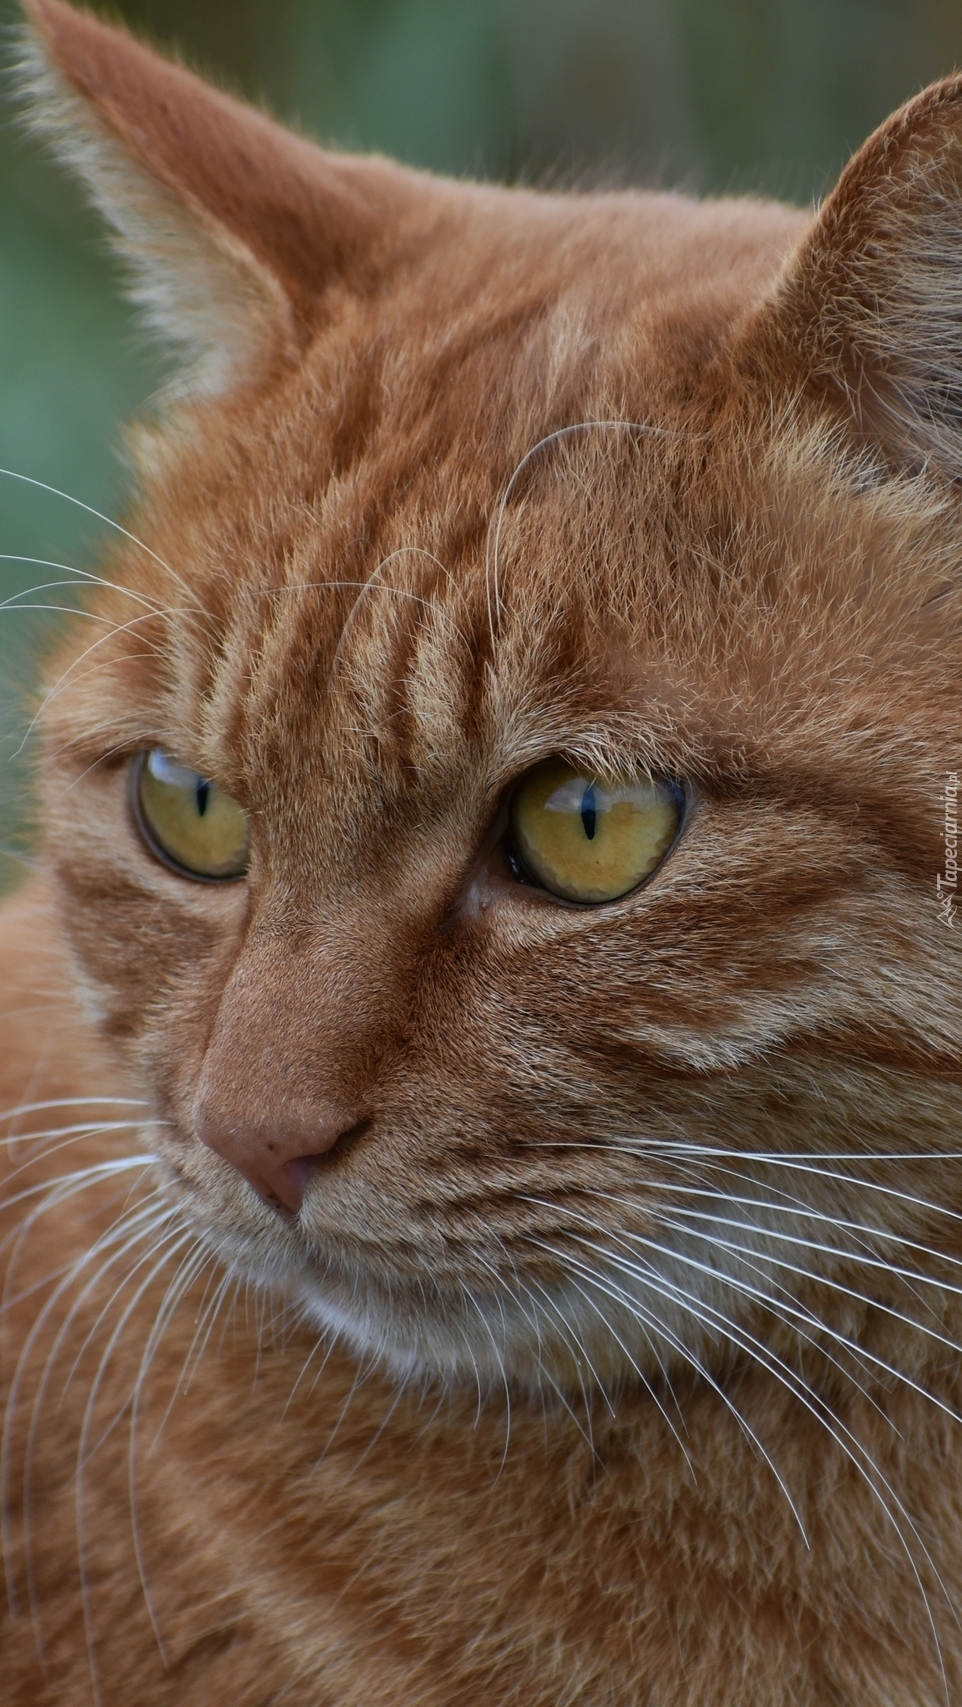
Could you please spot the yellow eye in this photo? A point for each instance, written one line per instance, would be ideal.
(590, 840)
(189, 822)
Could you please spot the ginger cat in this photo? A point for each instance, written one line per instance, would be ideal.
(482, 1063)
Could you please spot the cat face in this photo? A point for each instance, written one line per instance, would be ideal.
(485, 495)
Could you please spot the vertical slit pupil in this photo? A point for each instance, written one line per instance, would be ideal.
(202, 795)
(589, 812)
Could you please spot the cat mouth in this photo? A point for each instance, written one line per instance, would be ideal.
(341, 1271)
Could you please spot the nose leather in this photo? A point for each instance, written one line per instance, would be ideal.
(288, 1062)
(274, 1155)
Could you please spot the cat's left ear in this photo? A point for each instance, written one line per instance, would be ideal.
(868, 313)
(235, 231)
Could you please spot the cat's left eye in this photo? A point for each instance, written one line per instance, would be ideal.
(187, 821)
(591, 839)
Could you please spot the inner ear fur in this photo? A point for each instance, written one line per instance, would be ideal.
(868, 313)
(234, 228)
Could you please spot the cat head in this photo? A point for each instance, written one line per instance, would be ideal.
(497, 800)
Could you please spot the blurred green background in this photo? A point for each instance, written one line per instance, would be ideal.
(733, 95)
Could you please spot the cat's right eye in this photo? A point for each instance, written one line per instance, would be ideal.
(187, 821)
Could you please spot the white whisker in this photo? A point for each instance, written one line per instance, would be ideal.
(650, 1320)
(183, 1278)
(11, 474)
(560, 434)
(649, 1388)
(467, 1293)
(741, 1336)
(125, 1233)
(83, 1452)
(780, 1306)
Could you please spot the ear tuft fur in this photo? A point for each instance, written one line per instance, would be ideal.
(200, 288)
(233, 229)
(869, 312)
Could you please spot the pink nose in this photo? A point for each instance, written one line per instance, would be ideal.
(276, 1159)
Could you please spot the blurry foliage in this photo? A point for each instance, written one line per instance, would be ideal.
(715, 95)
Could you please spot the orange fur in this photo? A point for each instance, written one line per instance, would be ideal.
(613, 1356)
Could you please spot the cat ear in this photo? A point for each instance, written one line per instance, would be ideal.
(232, 227)
(870, 308)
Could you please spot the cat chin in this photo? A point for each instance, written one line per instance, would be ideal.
(622, 1325)
(556, 1344)
(414, 1339)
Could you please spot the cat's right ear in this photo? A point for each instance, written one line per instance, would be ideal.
(234, 230)
(868, 313)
